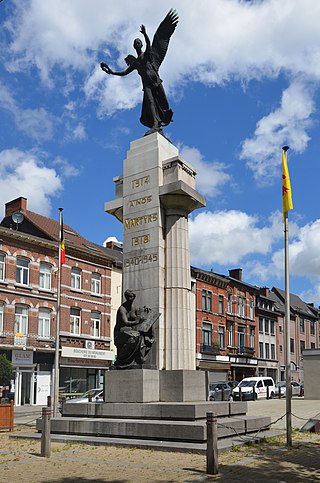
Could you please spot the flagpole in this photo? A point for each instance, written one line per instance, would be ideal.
(57, 348)
(287, 325)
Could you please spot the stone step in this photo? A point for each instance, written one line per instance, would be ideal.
(169, 411)
(192, 431)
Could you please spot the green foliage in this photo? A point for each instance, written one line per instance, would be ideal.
(6, 370)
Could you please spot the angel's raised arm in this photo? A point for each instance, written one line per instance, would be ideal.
(146, 37)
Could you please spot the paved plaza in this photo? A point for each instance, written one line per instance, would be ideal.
(73, 462)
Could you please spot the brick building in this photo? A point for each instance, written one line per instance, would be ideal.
(304, 332)
(226, 329)
(28, 304)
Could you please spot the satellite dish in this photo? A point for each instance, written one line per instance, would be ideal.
(17, 217)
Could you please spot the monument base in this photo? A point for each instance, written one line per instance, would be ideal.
(147, 385)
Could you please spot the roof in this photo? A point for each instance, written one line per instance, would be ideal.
(296, 304)
(44, 227)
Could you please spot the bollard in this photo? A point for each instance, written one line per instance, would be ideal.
(45, 434)
(268, 392)
(222, 394)
(240, 394)
(49, 401)
(212, 445)
(253, 394)
(90, 398)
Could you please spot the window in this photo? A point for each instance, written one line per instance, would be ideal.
(261, 350)
(2, 266)
(313, 345)
(261, 324)
(206, 301)
(251, 315)
(1, 317)
(76, 278)
(292, 345)
(312, 327)
(75, 321)
(301, 324)
(251, 336)
(95, 324)
(280, 328)
(229, 303)
(220, 302)
(22, 271)
(206, 334)
(266, 326)
(221, 335)
(280, 348)
(302, 346)
(241, 337)
(230, 333)
(267, 349)
(45, 276)
(273, 352)
(44, 323)
(96, 283)
(272, 327)
(241, 306)
(21, 320)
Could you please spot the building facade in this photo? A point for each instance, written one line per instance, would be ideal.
(304, 332)
(28, 305)
(226, 328)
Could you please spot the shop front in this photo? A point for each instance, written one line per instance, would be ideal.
(33, 376)
(82, 369)
(242, 367)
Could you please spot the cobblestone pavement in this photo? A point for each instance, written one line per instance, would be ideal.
(20, 461)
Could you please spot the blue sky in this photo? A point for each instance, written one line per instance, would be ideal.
(242, 78)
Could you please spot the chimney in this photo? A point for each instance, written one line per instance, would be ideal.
(19, 204)
(265, 291)
(236, 273)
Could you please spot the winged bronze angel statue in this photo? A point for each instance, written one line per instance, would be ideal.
(155, 111)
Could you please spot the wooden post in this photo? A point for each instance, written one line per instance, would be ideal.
(212, 445)
(46, 430)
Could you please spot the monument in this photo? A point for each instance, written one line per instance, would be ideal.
(156, 396)
(154, 197)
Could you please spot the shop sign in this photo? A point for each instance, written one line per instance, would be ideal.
(22, 358)
(82, 353)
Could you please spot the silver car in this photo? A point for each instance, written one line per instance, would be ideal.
(96, 395)
(281, 387)
(220, 391)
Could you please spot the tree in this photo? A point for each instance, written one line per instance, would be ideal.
(6, 370)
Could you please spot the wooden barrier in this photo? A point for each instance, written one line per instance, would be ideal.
(7, 416)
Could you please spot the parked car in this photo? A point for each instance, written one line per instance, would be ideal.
(296, 389)
(220, 391)
(233, 384)
(96, 395)
(253, 388)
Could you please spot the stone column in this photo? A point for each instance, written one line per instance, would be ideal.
(153, 199)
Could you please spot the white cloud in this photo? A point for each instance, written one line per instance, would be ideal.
(227, 237)
(304, 256)
(214, 43)
(286, 125)
(36, 123)
(23, 174)
(211, 176)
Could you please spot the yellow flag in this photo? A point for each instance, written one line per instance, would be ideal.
(286, 186)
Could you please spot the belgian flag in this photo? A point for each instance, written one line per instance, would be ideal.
(62, 244)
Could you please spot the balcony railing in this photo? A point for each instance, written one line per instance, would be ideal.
(210, 349)
(26, 340)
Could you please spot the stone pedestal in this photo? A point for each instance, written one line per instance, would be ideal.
(147, 385)
(131, 386)
(153, 200)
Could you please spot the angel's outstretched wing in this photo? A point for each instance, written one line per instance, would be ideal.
(162, 36)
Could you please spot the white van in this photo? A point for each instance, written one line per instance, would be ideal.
(253, 388)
